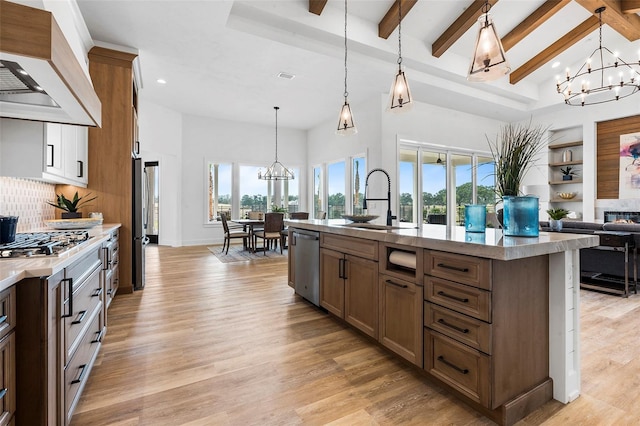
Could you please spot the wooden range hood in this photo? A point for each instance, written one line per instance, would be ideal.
(32, 38)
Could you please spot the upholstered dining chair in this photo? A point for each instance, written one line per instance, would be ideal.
(231, 233)
(273, 224)
(321, 214)
(285, 232)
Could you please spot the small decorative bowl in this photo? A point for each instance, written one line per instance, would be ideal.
(360, 218)
(566, 195)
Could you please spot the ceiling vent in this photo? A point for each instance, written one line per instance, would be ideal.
(286, 75)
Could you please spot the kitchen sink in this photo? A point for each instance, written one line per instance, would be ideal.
(372, 226)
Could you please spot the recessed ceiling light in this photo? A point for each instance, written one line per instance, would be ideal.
(556, 64)
(286, 75)
(161, 81)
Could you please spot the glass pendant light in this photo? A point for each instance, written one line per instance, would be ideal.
(489, 60)
(276, 171)
(346, 126)
(400, 99)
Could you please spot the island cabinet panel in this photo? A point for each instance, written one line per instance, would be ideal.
(401, 317)
(486, 330)
(349, 280)
(7, 356)
(291, 271)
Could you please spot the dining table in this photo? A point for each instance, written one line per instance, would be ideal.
(247, 226)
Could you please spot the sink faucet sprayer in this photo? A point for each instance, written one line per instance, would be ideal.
(366, 185)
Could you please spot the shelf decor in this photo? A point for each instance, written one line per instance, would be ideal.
(521, 216)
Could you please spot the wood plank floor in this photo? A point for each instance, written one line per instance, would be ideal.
(208, 343)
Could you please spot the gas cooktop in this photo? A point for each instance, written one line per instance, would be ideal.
(39, 244)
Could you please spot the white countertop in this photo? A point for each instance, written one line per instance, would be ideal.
(491, 244)
(14, 270)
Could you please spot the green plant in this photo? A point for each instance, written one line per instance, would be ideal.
(514, 151)
(557, 214)
(276, 209)
(568, 171)
(72, 205)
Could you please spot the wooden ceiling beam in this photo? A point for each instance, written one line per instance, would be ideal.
(627, 24)
(316, 6)
(389, 23)
(630, 6)
(460, 26)
(578, 33)
(533, 21)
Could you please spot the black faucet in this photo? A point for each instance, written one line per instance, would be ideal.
(366, 185)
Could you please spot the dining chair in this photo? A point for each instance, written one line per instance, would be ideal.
(232, 232)
(273, 224)
(321, 214)
(285, 232)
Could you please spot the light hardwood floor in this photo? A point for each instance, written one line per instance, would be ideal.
(208, 343)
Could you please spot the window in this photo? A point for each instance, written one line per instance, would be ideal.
(336, 190)
(434, 187)
(219, 177)
(254, 193)
(318, 190)
(359, 167)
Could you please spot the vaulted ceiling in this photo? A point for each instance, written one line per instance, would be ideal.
(223, 58)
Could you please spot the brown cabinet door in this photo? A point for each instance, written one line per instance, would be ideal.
(361, 294)
(331, 281)
(401, 317)
(7, 378)
(292, 259)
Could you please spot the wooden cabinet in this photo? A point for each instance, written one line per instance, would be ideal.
(60, 335)
(291, 271)
(52, 152)
(401, 317)
(7, 356)
(111, 171)
(349, 280)
(486, 330)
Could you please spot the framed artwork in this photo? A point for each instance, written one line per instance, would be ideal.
(629, 166)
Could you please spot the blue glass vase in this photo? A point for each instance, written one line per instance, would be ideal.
(520, 216)
(475, 217)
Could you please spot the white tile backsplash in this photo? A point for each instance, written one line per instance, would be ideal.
(27, 199)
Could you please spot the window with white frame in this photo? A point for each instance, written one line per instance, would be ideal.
(336, 178)
(338, 187)
(219, 177)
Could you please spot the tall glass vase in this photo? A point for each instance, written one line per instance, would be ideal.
(520, 216)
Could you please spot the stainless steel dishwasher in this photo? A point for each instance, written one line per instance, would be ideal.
(307, 264)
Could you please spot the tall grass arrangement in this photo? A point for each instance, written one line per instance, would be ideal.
(514, 151)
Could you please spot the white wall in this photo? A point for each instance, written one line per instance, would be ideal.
(226, 141)
(160, 133)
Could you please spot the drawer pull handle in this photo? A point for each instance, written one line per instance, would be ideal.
(459, 299)
(70, 283)
(3, 319)
(80, 317)
(98, 338)
(455, 367)
(97, 293)
(454, 268)
(446, 324)
(3, 392)
(83, 367)
(396, 284)
(110, 291)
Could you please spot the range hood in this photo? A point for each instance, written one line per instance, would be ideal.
(40, 77)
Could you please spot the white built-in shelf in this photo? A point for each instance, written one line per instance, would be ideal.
(566, 163)
(563, 200)
(565, 182)
(565, 145)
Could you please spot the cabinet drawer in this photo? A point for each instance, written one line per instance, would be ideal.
(77, 371)
(7, 310)
(459, 366)
(468, 270)
(7, 378)
(469, 300)
(81, 269)
(467, 330)
(86, 300)
(356, 246)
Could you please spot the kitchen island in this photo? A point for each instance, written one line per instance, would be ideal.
(494, 319)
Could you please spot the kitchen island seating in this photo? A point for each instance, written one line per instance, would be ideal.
(273, 224)
(285, 232)
(232, 232)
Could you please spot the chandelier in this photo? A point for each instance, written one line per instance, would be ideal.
(489, 60)
(604, 77)
(400, 95)
(346, 126)
(276, 171)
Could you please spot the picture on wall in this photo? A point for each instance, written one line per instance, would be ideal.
(629, 166)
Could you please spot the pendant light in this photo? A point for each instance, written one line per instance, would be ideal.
(346, 126)
(400, 99)
(604, 77)
(489, 61)
(276, 171)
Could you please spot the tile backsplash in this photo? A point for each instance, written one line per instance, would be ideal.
(27, 199)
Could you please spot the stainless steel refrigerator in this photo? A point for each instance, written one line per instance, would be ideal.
(140, 240)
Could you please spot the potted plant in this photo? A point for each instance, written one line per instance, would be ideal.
(555, 218)
(514, 152)
(567, 173)
(70, 207)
